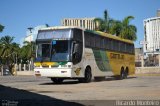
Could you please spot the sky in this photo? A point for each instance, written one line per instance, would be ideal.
(18, 15)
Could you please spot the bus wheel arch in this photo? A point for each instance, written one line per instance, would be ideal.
(127, 71)
(87, 75)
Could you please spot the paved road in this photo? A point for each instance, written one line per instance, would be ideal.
(41, 88)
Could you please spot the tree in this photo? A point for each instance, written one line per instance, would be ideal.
(1, 28)
(122, 28)
(104, 24)
(116, 27)
(8, 51)
(28, 51)
(128, 31)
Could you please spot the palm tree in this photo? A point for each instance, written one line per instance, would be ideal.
(28, 52)
(8, 51)
(128, 31)
(30, 47)
(6, 44)
(122, 29)
(104, 24)
(116, 27)
(1, 28)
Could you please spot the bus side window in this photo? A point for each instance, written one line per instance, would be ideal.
(97, 42)
(77, 46)
(87, 39)
(124, 46)
(77, 52)
(106, 43)
(115, 45)
(120, 46)
(103, 43)
(110, 43)
(128, 50)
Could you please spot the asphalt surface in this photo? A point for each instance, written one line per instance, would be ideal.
(31, 90)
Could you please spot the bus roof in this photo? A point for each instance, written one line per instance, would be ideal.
(96, 32)
(110, 36)
(60, 27)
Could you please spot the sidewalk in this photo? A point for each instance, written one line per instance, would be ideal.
(140, 71)
(25, 72)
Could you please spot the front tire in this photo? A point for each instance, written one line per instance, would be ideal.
(57, 80)
(87, 77)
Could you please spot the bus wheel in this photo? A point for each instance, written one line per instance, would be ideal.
(87, 77)
(123, 74)
(126, 73)
(57, 80)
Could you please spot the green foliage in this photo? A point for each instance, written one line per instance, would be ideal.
(122, 29)
(128, 31)
(1, 28)
(103, 24)
(27, 51)
(11, 53)
(116, 27)
(8, 51)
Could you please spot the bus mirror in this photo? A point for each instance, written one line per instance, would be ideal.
(75, 52)
(76, 46)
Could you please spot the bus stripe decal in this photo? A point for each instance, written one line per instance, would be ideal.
(102, 60)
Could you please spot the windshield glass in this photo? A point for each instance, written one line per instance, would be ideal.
(60, 50)
(43, 52)
(57, 50)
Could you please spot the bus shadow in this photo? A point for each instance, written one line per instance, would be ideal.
(131, 77)
(63, 83)
(111, 79)
(17, 97)
(70, 82)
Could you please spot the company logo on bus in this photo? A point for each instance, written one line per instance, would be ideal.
(116, 56)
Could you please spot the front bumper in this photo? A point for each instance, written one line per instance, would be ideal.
(50, 72)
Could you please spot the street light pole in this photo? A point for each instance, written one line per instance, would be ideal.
(30, 62)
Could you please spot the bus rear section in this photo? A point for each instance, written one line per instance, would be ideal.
(109, 55)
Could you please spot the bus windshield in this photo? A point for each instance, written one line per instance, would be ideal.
(57, 50)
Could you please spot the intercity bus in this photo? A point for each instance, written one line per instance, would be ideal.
(76, 53)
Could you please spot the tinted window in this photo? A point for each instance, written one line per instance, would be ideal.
(95, 41)
(87, 39)
(77, 35)
(98, 42)
(77, 40)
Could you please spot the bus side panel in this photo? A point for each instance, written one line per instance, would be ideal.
(115, 63)
(98, 61)
(131, 64)
(106, 63)
(121, 60)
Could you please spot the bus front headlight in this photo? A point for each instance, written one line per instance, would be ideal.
(63, 65)
(66, 66)
(69, 66)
